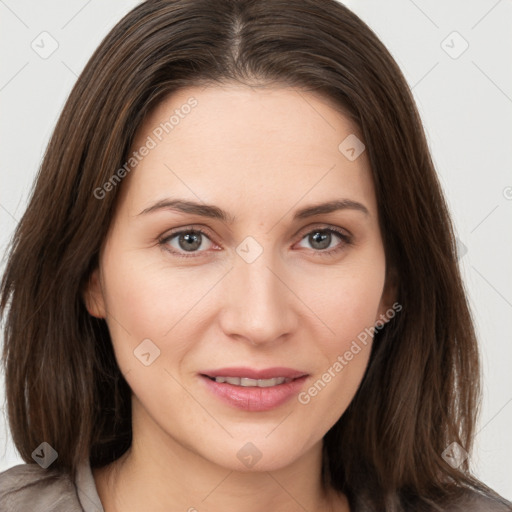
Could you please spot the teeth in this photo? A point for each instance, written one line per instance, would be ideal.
(246, 382)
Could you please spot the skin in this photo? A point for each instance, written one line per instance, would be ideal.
(260, 154)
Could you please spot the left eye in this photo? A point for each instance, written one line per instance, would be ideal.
(321, 239)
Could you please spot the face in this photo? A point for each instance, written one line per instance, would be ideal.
(251, 282)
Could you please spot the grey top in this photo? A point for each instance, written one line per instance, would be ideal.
(30, 488)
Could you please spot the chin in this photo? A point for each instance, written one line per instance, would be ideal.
(257, 455)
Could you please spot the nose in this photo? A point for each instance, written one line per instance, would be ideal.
(259, 304)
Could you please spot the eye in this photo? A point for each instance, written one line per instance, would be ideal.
(187, 241)
(191, 242)
(321, 240)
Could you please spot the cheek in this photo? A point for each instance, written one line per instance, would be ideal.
(349, 299)
(147, 298)
(345, 356)
(137, 300)
(349, 304)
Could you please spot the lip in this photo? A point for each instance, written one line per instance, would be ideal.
(251, 373)
(254, 399)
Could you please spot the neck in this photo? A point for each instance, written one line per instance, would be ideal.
(159, 474)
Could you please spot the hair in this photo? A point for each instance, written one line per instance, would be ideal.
(421, 388)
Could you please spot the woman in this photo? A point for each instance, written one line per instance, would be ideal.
(235, 286)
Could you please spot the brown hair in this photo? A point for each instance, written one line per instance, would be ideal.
(421, 388)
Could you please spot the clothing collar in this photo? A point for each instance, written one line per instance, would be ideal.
(86, 489)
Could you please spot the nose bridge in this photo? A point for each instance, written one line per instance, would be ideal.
(258, 304)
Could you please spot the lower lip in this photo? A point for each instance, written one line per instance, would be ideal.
(254, 398)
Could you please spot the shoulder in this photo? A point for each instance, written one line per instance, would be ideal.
(30, 487)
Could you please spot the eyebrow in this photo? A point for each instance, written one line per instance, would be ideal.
(214, 212)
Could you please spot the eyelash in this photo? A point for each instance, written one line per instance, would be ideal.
(345, 241)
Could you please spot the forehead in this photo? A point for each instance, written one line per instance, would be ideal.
(263, 147)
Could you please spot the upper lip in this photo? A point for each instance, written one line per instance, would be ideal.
(252, 373)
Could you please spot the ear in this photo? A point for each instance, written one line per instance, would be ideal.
(93, 296)
(388, 306)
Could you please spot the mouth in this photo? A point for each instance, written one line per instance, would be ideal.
(254, 390)
(246, 382)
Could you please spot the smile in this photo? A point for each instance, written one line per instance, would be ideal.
(253, 395)
(247, 382)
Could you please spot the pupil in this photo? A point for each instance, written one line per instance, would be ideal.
(322, 238)
(192, 241)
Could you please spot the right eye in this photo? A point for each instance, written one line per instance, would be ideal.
(184, 241)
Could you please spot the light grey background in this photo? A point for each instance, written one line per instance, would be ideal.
(464, 97)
